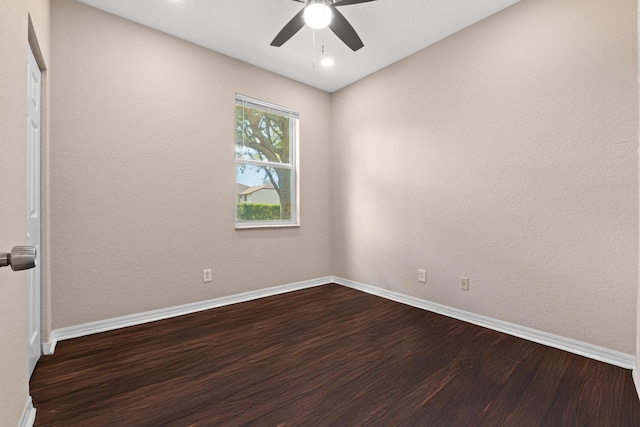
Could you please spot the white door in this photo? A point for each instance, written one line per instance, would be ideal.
(33, 205)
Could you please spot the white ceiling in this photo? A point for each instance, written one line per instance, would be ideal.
(243, 29)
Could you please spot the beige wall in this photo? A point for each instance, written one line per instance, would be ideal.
(143, 178)
(14, 18)
(40, 14)
(13, 201)
(507, 154)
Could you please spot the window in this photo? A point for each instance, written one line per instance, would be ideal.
(266, 164)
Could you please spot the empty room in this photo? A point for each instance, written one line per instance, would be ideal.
(419, 212)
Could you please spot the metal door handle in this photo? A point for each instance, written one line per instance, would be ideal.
(20, 258)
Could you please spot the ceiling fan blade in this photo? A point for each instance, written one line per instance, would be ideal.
(348, 2)
(345, 32)
(289, 30)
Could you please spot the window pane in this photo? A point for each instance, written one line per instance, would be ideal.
(262, 136)
(263, 193)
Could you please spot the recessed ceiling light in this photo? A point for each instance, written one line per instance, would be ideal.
(327, 62)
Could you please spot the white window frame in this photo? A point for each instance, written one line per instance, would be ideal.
(293, 165)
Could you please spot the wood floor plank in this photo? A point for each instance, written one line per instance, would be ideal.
(324, 356)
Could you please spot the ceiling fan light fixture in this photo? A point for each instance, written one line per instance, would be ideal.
(317, 14)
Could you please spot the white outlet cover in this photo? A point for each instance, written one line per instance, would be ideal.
(422, 276)
(206, 275)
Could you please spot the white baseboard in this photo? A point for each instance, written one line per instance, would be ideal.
(50, 346)
(591, 351)
(166, 313)
(602, 354)
(28, 417)
(636, 380)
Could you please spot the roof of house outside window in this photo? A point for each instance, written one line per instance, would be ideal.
(250, 190)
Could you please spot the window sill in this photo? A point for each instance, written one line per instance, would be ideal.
(266, 225)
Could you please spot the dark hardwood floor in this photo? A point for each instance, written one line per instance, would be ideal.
(324, 356)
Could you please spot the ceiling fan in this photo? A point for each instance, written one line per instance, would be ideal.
(320, 14)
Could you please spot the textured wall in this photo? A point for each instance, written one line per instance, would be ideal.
(14, 387)
(636, 372)
(143, 177)
(505, 153)
(40, 13)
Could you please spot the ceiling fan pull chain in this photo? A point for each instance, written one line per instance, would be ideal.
(314, 48)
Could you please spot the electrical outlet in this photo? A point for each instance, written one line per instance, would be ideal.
(464, 283)
(422, 276)
(206, 275)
